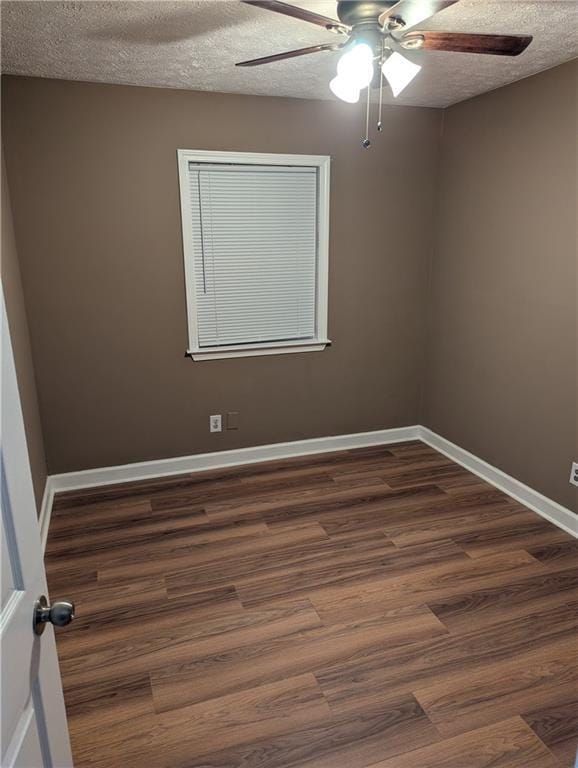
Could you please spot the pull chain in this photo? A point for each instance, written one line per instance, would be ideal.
(379, 123)
(366, 143)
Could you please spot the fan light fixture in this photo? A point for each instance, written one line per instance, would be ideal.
(354, 72)
(375, 31)
(399, 72)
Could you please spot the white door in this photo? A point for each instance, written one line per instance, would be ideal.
(34, 729)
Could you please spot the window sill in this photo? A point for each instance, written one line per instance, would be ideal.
(257, 351)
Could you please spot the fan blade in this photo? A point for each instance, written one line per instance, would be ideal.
(499, 45)
(288, 55)
(299, 13)
(415, 11)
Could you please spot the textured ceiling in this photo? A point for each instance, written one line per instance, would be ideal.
(195, 44)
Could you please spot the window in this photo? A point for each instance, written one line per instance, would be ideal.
(255, 242)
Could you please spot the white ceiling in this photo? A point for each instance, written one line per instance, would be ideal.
(195, 44)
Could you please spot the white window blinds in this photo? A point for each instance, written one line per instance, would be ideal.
(254, 249)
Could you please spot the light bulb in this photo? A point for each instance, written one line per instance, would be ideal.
(356, 65)
(399, 72)
(344, 89)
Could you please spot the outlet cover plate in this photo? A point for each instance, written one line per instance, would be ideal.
(574, 474)
(215, 424)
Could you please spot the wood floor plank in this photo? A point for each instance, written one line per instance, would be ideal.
(179, 557)
(415, 476)
(330, 463)
(287, 655)
(294, 614)
(486, 695)
(318, 556)
(152, 543)
(457, 519)
(557, 727)
(427, 582)
(509, 744)
(107, 624)
(62, 582)
(93, 601)
(564, 552)
(103, 704)
(349, 571)
(253, 508)
(412, 449)
(136, 528)
(427, 516)
(195, 496)
(100, 656)
(391, 467)
(68, 505)
(462, 612)
(353, 741)
(361, 682)
(338, 503)
(181, 737)
(122, 494)
(102, 516)
(327, 502)
(463, 484)
(533, 532)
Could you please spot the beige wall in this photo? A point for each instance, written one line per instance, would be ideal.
(18, 323)
(94, 187)
(501, 373)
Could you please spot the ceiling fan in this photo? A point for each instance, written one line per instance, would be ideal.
(378, 30)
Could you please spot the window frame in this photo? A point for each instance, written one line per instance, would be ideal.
(322, 163)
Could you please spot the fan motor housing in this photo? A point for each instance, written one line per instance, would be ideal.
(352, 12)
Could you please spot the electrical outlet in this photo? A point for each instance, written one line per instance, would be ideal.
(574, 474)
(215, 423)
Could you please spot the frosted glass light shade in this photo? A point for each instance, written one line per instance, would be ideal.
(356, 65)
(344, 89)
(399, 72)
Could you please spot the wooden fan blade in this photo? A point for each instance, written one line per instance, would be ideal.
(299, 13)
(413, 12)
(499, 45)
(288, 55)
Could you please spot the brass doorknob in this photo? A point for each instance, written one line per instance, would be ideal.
(59, 613)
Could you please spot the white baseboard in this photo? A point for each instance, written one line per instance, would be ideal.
(146, 470)
(551, 510)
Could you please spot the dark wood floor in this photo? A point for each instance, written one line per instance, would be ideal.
(379, 607)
